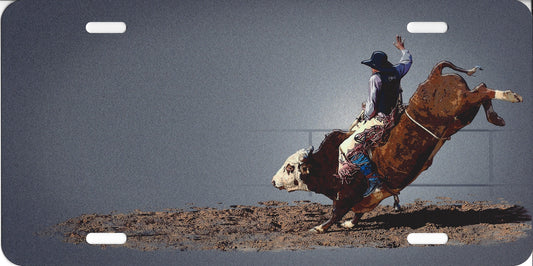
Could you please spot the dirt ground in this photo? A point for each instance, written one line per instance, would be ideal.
(275, 225)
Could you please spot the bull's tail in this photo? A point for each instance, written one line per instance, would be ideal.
(437, 69)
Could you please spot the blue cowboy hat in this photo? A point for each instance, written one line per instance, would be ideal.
(378, 61)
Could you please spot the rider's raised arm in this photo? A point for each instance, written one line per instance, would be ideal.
(405, 63)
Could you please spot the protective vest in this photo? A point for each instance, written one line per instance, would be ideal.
(389, 92)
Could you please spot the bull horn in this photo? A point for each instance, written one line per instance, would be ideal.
(305, 153)
(309, 149)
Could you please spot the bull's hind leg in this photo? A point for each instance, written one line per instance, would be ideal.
(397, 206)
(492, 116)
(485, 92)
(483, 95)
(507, 96)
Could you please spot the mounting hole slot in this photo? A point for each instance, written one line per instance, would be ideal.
(106, 238)
(427, 27)
(427, 238)
(105, 27)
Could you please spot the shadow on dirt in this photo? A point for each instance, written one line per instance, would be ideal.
(446, 217)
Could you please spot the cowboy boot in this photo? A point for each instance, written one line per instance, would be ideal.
(366, 168)
(373, 182)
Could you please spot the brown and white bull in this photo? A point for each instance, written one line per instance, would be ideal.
(441, 106)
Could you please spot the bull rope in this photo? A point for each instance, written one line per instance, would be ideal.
(424, 128)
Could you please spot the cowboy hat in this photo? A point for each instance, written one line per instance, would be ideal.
(378, 61)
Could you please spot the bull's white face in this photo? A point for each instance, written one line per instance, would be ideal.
(288, 176)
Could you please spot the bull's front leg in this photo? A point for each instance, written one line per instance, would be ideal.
(351, 223)
(340, 208)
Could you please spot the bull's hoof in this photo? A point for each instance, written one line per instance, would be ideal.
(397, 208)
(348, 224)
(494, 119)
(508, 96)
(317, 230)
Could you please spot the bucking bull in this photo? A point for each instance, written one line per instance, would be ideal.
(441, 106)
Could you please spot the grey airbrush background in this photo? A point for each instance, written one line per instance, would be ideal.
(201, 102)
